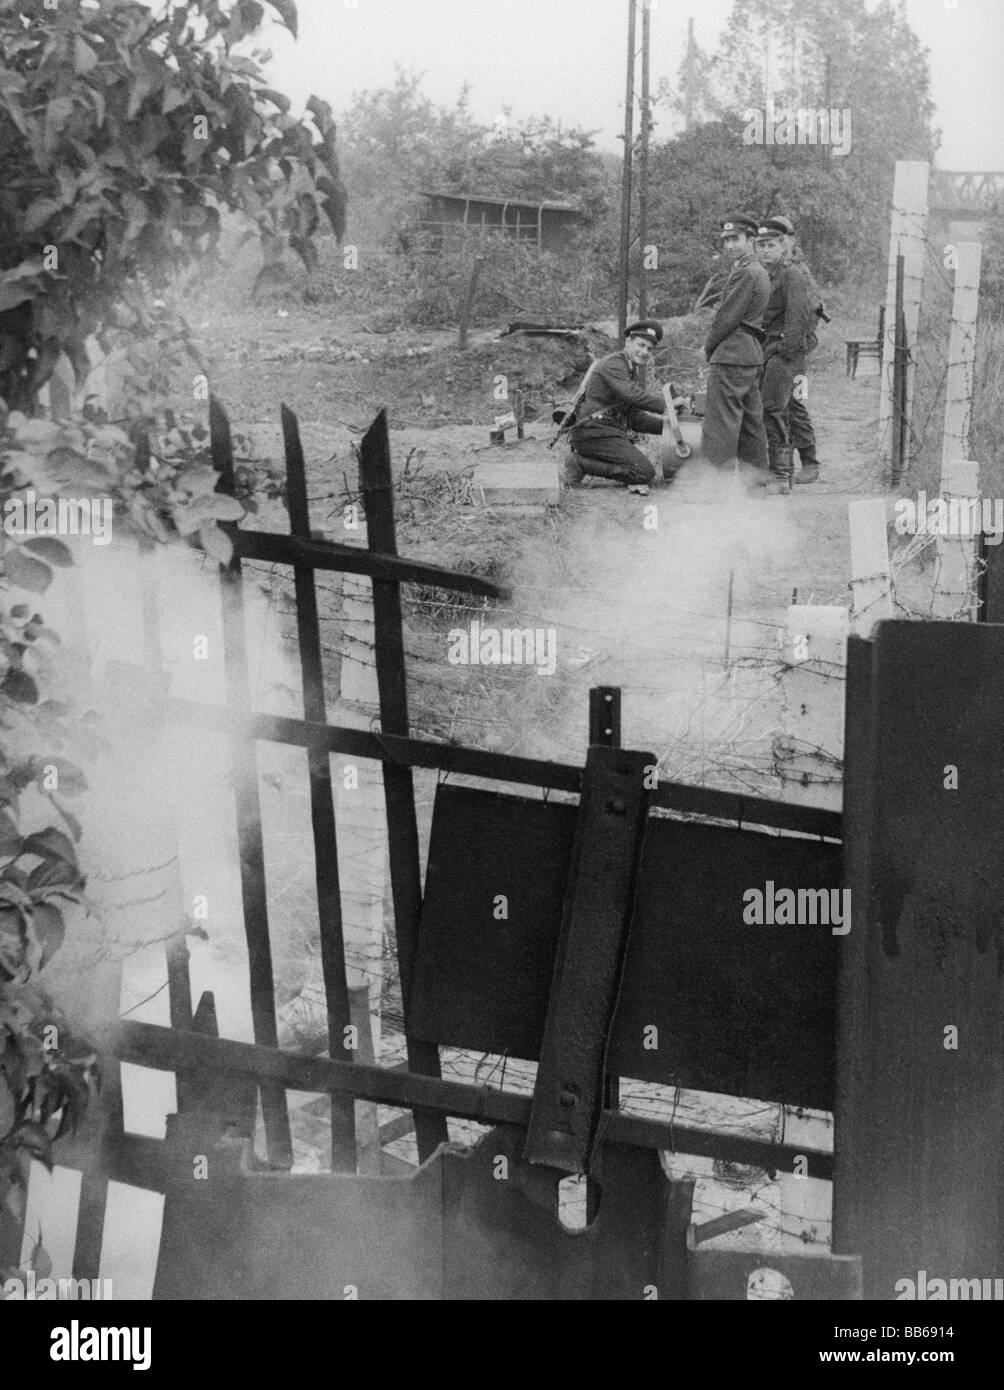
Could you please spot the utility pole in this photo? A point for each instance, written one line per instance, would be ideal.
(688, 78)
(643, 159)
(625, 246)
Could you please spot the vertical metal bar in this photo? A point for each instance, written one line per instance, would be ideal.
(244, 762)
(605, 715)
(625, 243)
(322, 805)
(589, 962)
(399, 792)
(605, 730)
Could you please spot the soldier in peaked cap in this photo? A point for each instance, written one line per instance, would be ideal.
(786, 324)
(733, 421)
(612, 404)
(803, 436)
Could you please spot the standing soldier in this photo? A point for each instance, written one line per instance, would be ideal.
(613, 404)
(786, 328)
(803, 436)
(733, 421)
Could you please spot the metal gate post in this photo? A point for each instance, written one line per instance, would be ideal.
(568, 1096)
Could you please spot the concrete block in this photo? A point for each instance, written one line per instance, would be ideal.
(507, 479)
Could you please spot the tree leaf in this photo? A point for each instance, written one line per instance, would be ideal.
(10, 836)
(26, 572)
(39, 212)
(50, 929)
(35, 1139)
(51, 844)
(56, 552)
(220, 507)
(84, 57)
(36, 432)
(216, 543)
(287, 13)
(18, 685)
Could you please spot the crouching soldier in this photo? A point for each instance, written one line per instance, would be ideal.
(613, 404)
(786, 330)
(733, 421)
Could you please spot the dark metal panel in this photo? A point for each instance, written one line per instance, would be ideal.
(921, 1136)
(376, 484)
(741, 1009)
(322, 802)
(242, 1234)
(747, 810)
(503, 1239)
(482, 981)
(595, 929)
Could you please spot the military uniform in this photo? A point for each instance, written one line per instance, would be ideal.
(803, 436)
(613, 404)
(786, 324)
(733, 420)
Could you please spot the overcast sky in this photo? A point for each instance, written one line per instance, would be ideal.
(566, 58)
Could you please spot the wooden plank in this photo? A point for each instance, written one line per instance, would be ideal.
(376, 485)
(147, 1044)
(347, 559)
(322, 805)
(503, 767)
(244, 762)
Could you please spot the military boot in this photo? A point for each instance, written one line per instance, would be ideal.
(780, 467)
(809, 471)
(574, 471)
